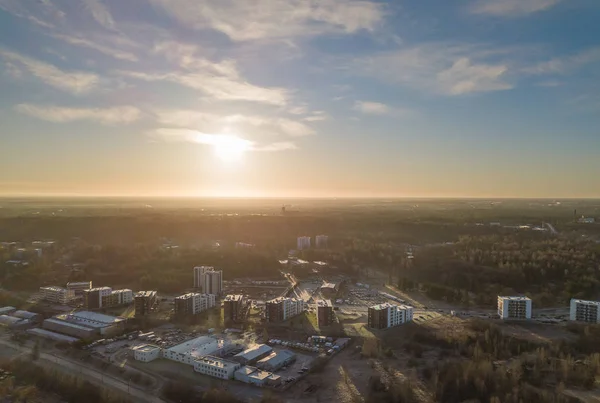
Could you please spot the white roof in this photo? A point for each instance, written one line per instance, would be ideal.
(515, 298)
(24, 314)
(98, 317)
(277, 358)
(252, 353)
(146, 348)
(198, 347)
(216, 362)
(9, 320)
(582, 301)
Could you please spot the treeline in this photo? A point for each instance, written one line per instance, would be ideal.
(181, 392)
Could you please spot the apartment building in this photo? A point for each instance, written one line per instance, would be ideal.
(232, 307)
(514, 307)
(280, 309)
(386, 315)
(144, 302)
(585, 311)
(303, 242)
(321, 241)
(325, 315)
(193, 303)
(208, 280)
(118, 297)
(93, 298)
(79, 286)
(57, 295)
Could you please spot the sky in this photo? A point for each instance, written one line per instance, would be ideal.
(300, 98)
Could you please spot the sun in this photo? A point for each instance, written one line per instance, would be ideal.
(230, 148)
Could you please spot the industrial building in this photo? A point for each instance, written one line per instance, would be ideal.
(189, 351)
(31, 316)
(36, 331)
(216, 367)
(146, 352)
(92, 298)
(208, 280)
(85, 325)
(145, 301)
(232, 307)
(276, 361)
(193, 303)
(321, 241)
(255, 376)
(514, 307)
(79, 286)
(10, 321)
(386, 315)
(584, 311)
(325, 314)
(282, 308)
(7, 310)
(330, 289)
(303, 242)
(57, 295)
(253, 354)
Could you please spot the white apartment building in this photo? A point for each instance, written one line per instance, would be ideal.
(514, 307)
(321, 241)
(303, 242)
(57, 295)
(121, 297)
(146, 352)
(208, 280)
(281, 309)
(193, 303)
(585, 311)
(216, 367)
(387, 315)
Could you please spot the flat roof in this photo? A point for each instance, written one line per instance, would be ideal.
(234, 297)
(583, 301)
(7, 308)
(514, 298)
(253, 352)
(146, 348)
(281, 299)
(216, 361)
(53, 335)
(324, 302)
(387, 305)
(68, 324)
(79, 283)
(197, 347)
(122, 291)
(278, 357)
(188, 295)
(247, 370)
(9, 320)
(145, 293)
(98, 317)
(53, 288)
(24, 314)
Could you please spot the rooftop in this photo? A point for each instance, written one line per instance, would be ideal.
(79, 283)
(216, 362)
(277, 358)
(56, 336)
(324, 302)
(329, 285)
(188, 295)
(254, 352)
(281, 299)
(582, 301)
(198, 347)
(121, 291)
(514, 298)
(53, 288)
(146, 348)
(145, 293)
(60, 321)
(91, 319)
(98, 289)
(234, 297)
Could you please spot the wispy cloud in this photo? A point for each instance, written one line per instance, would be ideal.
(107, 50)
(260, 19)
(280, 146)
(107, 116)
(218, 87)
(510, 8)
(439, 68)
(100, 13)
(378, 108)
(74, 81)
(567, 64)
(316, 116)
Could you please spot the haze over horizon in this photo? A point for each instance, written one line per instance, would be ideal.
(289, 98)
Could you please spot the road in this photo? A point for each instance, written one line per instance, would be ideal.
(551, 228)
(90, 373)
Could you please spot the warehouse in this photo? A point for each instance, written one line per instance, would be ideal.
(146, 352)
(70, 329)
(253, 354)
(51, 335)
(276, 360)
(255, 376)
(26, 315)
(7, 310)
(9, 321)
(187, 352)
(106, 325)
(216, 367)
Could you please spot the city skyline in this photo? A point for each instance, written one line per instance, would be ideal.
(287, 98)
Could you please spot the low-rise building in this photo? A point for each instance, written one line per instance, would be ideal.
(325, 315)
(585, 311)
(386, 315)
(57, 295)
(253, 354)
(9, 321)
(255, 376)
(514, 307)
(7, 310)
(31, 316)
(145, 301)
(276, 361)
(189, 351)
(282, 308)
(85, 325)
(232, 307)
(146, 352)
(46, 334)
(216, 367)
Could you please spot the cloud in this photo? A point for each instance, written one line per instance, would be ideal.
(510, 8)
(316, 116)
(100, 13)
(109, 51)
(41, 23)
(262, 19)
(377, 108)
(281, 146)
(219, 87)
(107, 116)
(75, 82)
(440, 68)
(565, 65)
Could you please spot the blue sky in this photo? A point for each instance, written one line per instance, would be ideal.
(482, 98)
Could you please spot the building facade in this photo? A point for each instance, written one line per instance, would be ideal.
(325, 314)
(145, 301)
(57, 295)
(321, 241)
(216, 367)
(208, 280)
(303, 242)
(232, 307)
(79, 287)
(282, 308)
(92, 299)
(514, 307)
(386, 315)
(276, 361)
(117, 297)
(193, 304)
(585, 311)
(146, 352)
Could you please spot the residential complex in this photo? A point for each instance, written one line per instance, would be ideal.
(386, 315)
(208, 280)
(193, 303)
(321, 241)
(280, 309)
(325, 315)
(303, 242)
(79, 287)
(144, 301)
(232, 307)
(57, 295)
(93, 298)
(118, 297)
(514, 307)
(585, 311)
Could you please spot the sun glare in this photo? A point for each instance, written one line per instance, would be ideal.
(229, 148)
